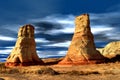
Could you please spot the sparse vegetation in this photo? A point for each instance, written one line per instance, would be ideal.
(48, 72)
(2, 79)
(2, 67)
(74, 72)
(27, 70)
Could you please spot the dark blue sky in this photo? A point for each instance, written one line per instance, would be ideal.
(54, 23)
(18, 11)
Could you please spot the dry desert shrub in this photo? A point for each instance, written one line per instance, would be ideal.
(2, 79)
(27, 70)
(47, 70)
(3, 68)
(74, 72)
(12, 71)
(41, 70)
(7, 70)
(110, 71)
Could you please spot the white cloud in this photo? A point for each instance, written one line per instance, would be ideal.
(46, 54)
(6, 38)
(100, 28)
(67, 23)
(63, 53)
(10, 47)
(41, 40)
(13, 27)
(62, 44)
(66, 30)
(63, 19)
(2, 59)
(107, 24)
(6, 51)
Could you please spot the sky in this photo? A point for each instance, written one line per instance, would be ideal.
(54, 23)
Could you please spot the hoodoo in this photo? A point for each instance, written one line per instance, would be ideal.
(82, 49)
(24, 52)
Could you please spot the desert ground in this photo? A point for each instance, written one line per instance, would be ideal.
(104, 71)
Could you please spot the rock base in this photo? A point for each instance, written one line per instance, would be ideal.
(81, 62)
(10, 64)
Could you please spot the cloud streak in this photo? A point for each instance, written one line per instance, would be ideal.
(6, 38)
(53, 33)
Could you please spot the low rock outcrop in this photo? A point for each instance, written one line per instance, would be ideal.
(111, 50)
(82, 49)
(24, 52)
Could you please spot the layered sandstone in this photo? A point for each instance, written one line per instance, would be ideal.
(24, 52)
(82, 49)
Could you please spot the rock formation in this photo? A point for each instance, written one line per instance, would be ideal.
(111, 50)
(24, 52)
(82, 49)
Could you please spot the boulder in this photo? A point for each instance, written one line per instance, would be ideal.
(24, 52)
(82, 49)
(111, 50)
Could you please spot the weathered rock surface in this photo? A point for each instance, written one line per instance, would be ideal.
(24, 52)
(82, 49)
(111, 50)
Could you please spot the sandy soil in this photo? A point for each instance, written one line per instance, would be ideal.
(60, 77)
(106, 71)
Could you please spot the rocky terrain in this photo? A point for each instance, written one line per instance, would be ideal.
(111, 50)
(104, 71)
(80, 63)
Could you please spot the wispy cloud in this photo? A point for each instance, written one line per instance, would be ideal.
(53, 54)
(6, 51)
(62, 44)
(53, 33)
(6, 38)
(41, 40)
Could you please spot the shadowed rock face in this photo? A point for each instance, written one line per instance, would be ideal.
(24, 52)
(82, 49)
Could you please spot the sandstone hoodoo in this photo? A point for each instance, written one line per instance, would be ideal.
(24, 52)
(82, 49)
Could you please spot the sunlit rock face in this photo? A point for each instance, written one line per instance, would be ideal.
(82, 49)
(111, 50)
(24, 52)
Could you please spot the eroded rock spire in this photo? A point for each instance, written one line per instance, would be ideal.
(82, 49)
(24, 52)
